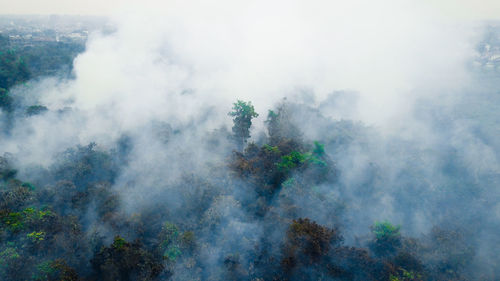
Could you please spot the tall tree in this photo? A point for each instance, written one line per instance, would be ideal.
(243, 113)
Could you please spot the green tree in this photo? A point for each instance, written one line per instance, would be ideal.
(386, 238)
(243, 113)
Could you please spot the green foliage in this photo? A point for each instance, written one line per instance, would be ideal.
(34, 215)
(172, 241)
(405, 275)
(319, 149)
(243, 113)
(52, 270)
(9, 258)
(119, 243)
(386, 238)
(290, 182)
(171, 253)
(44, 270)
(385, 230)
(272, 149)
(169, 232)
(272, 123)
(295, 159)
(19, 65)
(169, 241)
(51, 58)
(28, 185)
(14, 221)
(312, 159)
(10, 253)
(271, 115)
(18, 221)
(36, 237)
(13, 69)
(291, 161)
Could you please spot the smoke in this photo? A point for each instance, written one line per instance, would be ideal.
(172, 62)
(166, 78)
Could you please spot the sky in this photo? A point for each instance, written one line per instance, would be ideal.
(448, 9)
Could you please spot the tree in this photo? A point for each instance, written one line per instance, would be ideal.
(280, 124)
(386, 238)
(243, 113)
(125, 261)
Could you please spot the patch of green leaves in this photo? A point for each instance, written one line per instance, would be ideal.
(385, 230)
(296, 159)
(119, 243)
(36, 236)
(172, 252)
(43, 271)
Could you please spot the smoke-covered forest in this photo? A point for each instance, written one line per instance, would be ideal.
(176, 149)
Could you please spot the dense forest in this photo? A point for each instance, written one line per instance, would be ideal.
(287, 194)
(246, 222)
(19, 63)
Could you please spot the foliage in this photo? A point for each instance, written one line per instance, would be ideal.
(6, 170)
(36, 110)
(290, 182)
(63, 272)
(247, 224)
(124, 260)
(44, 270)
(18, 64)
(319, 149)
(280, 124)
(405, 275)
(171, 241)
(243, 113)
(14, 221)
(86, 165)
(291, 161)
(188, 240)
(172, 252)
(386, 231)
(119, 243)
(13, 69)
(9, 261)
(9, 253)
(308, 241)
(28, 185)
(36, 237)
(272, 149)
(5, 100)
(29, 217)
(296, 159)
(387, 238)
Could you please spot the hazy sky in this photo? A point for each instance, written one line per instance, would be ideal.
(453, 9)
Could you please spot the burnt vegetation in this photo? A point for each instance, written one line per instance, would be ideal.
(68, 222)
(276, 206)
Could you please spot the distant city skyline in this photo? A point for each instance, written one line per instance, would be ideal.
(447, 9)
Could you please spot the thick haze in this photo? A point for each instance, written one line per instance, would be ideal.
(182, 64)
(176, 63)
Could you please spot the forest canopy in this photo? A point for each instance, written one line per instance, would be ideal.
(125, 158)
